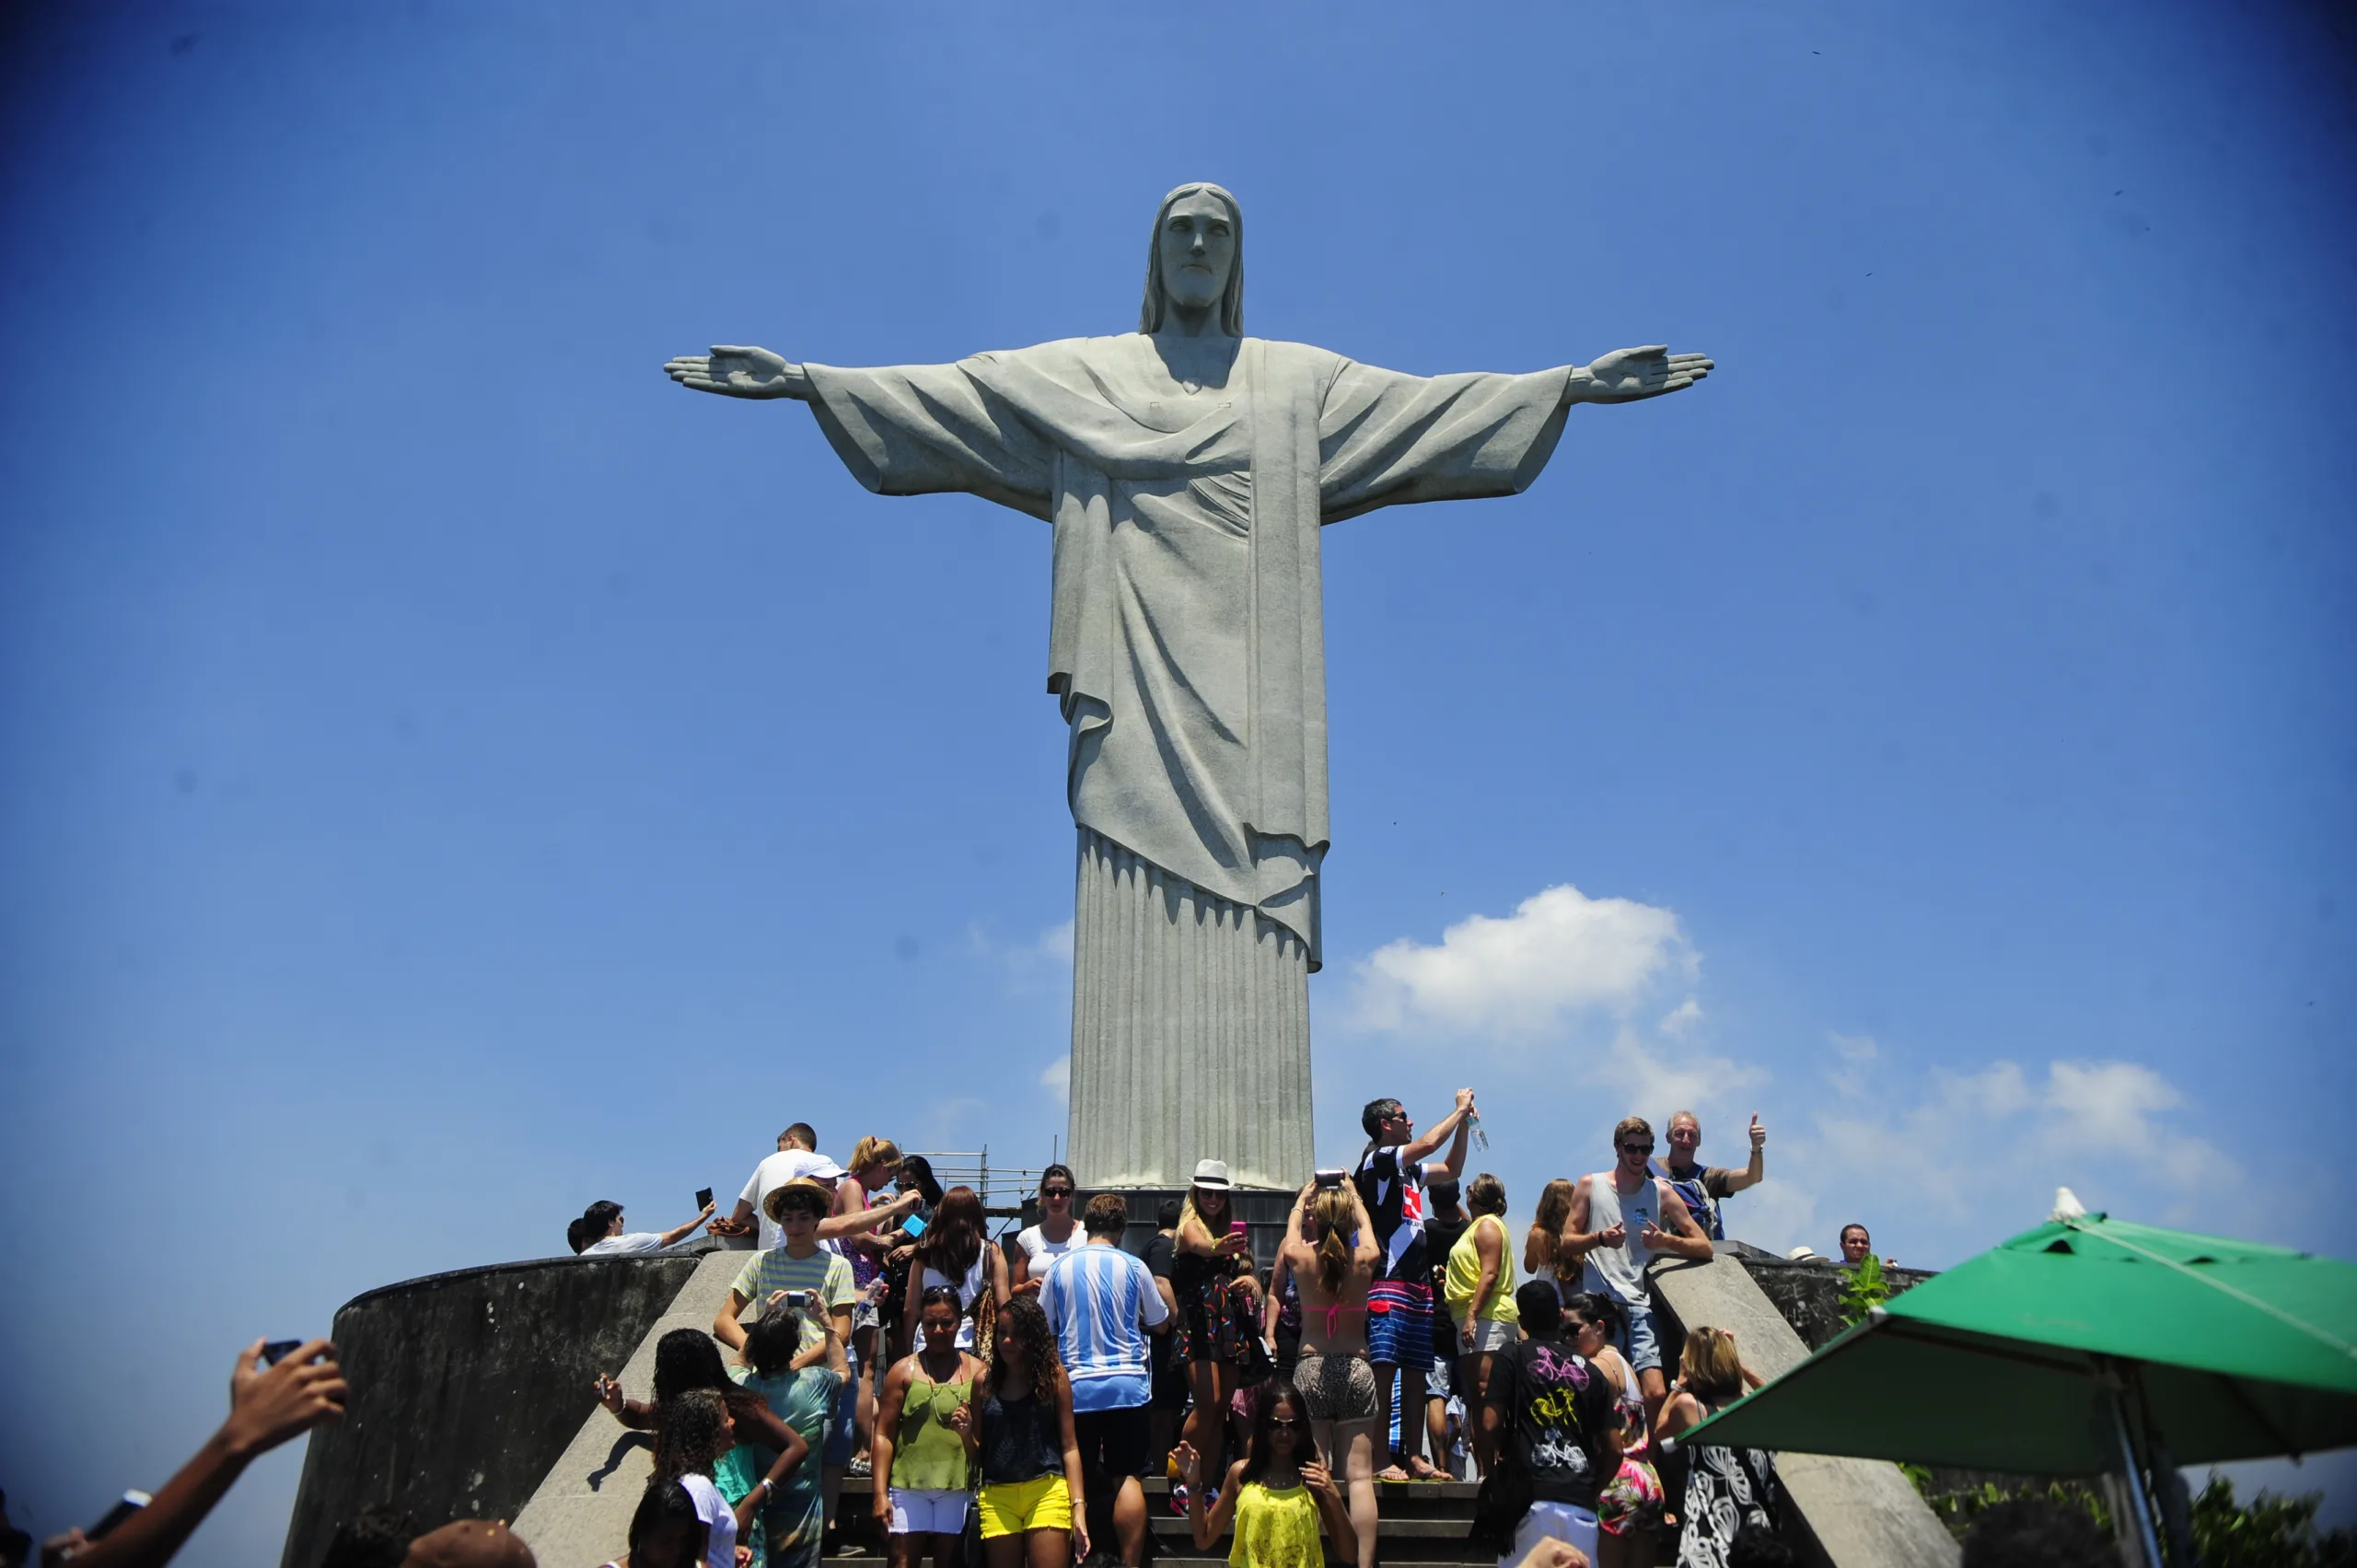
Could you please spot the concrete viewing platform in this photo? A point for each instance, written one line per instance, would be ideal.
(471, 1397)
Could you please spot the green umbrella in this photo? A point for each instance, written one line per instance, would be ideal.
(2088, 1345)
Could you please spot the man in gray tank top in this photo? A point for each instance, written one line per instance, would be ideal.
(1620, 1219)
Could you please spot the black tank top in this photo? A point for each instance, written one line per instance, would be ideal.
(1022, 1440)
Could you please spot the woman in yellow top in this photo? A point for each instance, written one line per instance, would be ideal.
(1478, 1287)
(1277, 1496)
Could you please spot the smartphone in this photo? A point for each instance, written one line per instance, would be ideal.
(704, 1199)
(1237, 1227)
(912, 1225)
(131, 1503)
(1329, 1178)
(273, 1353)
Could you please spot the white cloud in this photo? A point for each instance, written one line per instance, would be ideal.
(1030, 964)
(1661, 1078)
(1056, 1078)
(1856, 1052)
(1560, 951)
(1546, 1011)
(1987, 1147)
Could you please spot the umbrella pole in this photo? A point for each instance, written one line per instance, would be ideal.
(2146, 1539)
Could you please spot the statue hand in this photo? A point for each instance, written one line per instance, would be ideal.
(1626, 374)
(738, 373)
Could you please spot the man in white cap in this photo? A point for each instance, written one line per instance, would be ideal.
(797, 1160)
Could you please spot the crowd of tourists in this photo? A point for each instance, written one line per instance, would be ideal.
(1002, 1405)
(1020, 1391)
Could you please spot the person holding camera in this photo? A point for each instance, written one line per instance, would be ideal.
(1390, 1177)
(1331, 1249)
(598, 1232)
(277, 1392)
(1213, 1249)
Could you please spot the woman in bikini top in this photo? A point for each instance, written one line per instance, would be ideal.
(1331, 1248)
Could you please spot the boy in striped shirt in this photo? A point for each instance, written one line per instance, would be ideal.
(1100, 1301)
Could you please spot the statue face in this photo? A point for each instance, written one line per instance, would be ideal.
(1198, 246)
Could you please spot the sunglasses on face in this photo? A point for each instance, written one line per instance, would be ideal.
(1288, 1423)
(1055, 1192)
(1636, 1148)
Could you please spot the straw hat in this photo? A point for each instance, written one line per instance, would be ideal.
(769, 1199)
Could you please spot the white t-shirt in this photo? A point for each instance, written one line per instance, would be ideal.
(720, 1550)
(1039, 1251)
(786, 1165)
(632, 1241)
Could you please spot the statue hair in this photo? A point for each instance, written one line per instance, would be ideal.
(1231, 302)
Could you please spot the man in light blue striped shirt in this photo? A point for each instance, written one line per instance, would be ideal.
(1100, 1301)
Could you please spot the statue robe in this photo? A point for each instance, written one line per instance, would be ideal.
(1187, 649)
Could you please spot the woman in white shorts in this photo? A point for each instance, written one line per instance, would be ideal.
(922, 1473)
(1479, 1284)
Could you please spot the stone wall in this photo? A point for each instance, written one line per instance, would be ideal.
(467, 1387)
(1809, 1294)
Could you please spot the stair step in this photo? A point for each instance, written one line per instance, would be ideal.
(1385, 1529)
(1453, 1497)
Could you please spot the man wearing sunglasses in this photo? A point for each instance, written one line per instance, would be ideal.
(1620, 1219)
(1391, 1175)
(1056, 1233)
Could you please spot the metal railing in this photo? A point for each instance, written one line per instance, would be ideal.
(1002, 1188)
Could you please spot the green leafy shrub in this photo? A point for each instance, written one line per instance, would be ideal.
(1865, 1290)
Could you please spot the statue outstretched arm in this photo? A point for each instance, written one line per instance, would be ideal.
(1622, 377)
(742, 373)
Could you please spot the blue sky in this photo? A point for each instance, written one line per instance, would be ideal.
(452, 774)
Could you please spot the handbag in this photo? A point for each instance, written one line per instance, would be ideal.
(1499, 1508)
(970, 1539)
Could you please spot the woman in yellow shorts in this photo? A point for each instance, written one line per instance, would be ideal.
(1277, 1495)
(1018, 1428)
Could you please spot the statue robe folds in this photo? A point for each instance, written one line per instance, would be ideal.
(1187, 647)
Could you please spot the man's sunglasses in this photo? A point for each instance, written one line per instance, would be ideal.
(1636, 1148)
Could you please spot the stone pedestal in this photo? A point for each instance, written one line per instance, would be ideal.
(1190, 1032)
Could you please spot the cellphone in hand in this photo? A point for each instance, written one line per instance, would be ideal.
(1329, 1178)
(704, 1199)
(912, 1225)
(131, 1503)
(273, 1353)
(1237, 1227)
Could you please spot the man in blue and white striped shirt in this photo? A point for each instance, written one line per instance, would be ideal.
(1100, 1301)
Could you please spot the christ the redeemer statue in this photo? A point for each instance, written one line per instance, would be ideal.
(1186, 471)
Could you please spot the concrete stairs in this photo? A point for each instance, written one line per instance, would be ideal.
(1422, 1522)
(1862, 1513)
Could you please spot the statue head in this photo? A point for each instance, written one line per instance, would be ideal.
(1196, 257)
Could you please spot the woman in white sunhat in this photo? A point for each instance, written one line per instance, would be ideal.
(1212, 1253)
